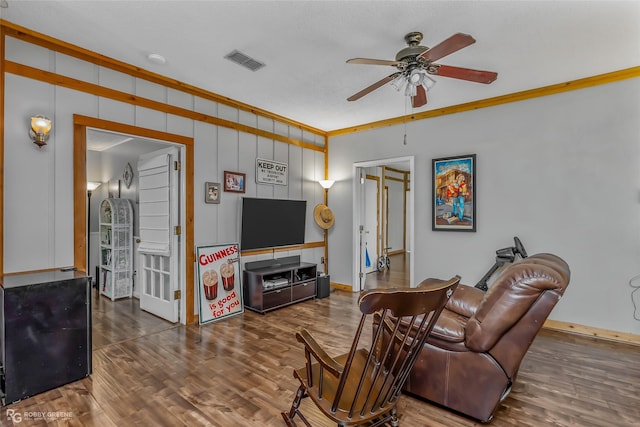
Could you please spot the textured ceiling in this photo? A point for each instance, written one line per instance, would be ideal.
(305, 44)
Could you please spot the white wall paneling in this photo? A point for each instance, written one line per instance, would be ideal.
(115, 111)
(29, 198)
(150, 119)
(150, 90)
(295, 172)
(26, 53)
(281, 154)
(67, 103)
(205, 106)
(116, 80)
(206, 216)
(75, 68)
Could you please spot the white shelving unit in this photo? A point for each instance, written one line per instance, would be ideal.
(116, 248)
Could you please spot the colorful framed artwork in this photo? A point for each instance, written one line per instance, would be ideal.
(454, 189)
(212, 192)
(234, 182)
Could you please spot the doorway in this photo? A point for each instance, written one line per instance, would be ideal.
(150, 137)
(393, 221)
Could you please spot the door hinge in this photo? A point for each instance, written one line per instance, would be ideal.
(178, 230)
(176, 165)
(177, 294)
(361, 275)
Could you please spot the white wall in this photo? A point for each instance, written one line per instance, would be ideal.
(561, 172)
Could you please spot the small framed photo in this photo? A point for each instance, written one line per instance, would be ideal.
(454, 193)
(212, 192)
(234, 182)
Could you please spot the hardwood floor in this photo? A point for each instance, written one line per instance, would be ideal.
(121, 320)
(238, 372)
(397, 276)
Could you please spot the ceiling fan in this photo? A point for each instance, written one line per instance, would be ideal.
(416, 62)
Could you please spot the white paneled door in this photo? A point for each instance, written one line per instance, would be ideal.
(158, 250)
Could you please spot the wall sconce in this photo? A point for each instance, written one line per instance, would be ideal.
(326, 183)
(40, 129)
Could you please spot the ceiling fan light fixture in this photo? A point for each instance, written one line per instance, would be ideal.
(410, 90)
(428, 82)
(416, 77)
(416, 62)
(398, 82)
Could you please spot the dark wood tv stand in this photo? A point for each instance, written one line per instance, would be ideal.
(276, 283)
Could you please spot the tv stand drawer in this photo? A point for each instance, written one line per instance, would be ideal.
(276, 298)
(303, 290)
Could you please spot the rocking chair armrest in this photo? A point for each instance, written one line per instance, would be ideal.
(318, 353)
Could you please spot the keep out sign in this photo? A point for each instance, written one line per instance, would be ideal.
(219, 286)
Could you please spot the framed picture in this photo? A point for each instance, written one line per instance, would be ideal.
(234, 182)
(454, 189)
(114, 188)
(127, 175)
(212, 192)
(219, 285)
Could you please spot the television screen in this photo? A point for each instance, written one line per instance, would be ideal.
(268, 223)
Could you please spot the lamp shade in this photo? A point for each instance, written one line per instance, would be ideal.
(92, 185)
(40, 129)
(326, 183)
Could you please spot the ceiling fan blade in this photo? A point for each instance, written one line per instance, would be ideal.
(373, 87)
(447, 47)
(369, 61)
(477, 76)
(420, 98)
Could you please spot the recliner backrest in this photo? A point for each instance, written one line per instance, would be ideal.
(512, 295)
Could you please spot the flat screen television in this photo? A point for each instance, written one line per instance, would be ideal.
(268, 223)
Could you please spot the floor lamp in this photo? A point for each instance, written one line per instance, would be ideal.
(326, 185)
(91, 186)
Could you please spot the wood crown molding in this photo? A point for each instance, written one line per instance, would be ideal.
(600, 79)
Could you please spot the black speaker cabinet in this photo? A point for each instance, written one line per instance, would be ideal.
(45, 331)
(322, 286)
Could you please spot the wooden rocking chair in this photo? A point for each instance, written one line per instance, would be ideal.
(362, 387)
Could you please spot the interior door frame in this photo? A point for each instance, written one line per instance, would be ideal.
(80, 125)
(358, 214)
(378, 225)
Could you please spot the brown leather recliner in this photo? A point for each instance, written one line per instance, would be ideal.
(472, 357)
